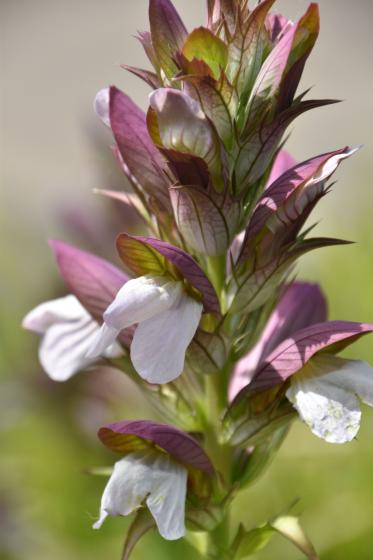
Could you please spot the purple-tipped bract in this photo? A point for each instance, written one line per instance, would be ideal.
(124, 437)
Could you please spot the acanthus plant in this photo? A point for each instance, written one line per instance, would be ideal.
(207, 318)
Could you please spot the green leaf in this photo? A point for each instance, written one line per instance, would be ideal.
(253, 541)
(252, 464)
(145, 39)
(207, 223)
(142, 523)
(258, 430)
(279, 76)
(264, 93)
(251, 290)
(149, 78)
(229, 94)
(168, 34)
(307, 32)
(207, 353)
(204, 518)
(248, 543)
(248, 48)
(140, 257)
(262, 141)
(306, 245)
(203, 45)
(211, 97)
(219, 11)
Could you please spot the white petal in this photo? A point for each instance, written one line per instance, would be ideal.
(159, 344)
(355, 376)
(141, 298)
(113, 351)
(152, 476)
(166, 501)
(101, 105)
(67, 308)
(63, 348)
(331, 411)
(103, 342)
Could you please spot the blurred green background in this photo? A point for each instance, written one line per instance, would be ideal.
(54, 151)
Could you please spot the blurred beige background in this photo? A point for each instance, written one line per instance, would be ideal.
(54, 57)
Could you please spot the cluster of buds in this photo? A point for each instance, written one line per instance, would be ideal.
(207, 318)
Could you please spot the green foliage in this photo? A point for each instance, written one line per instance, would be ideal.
(247, 543)
(203, 45)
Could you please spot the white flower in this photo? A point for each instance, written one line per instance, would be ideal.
(325, 393)
(151, 477)
(167, 320)
(67, 332)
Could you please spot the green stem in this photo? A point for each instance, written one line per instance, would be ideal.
(216, 272)
(218, 541)
(215, 406)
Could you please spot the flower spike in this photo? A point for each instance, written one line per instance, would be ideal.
(229, 346)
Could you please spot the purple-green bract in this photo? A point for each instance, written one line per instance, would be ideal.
(291, 355)
(300, 305)
(142, 159)
(124, 437)
(131, 251)
(93, 280)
